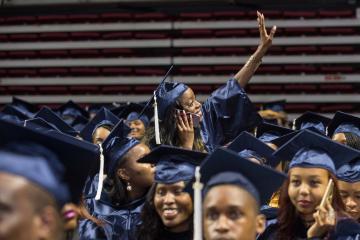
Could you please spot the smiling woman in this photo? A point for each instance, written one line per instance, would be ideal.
(168, 210)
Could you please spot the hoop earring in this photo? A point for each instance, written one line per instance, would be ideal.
(128, 187)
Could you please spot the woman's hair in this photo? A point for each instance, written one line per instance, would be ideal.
(115, 187)
(168, 132)
(152, 227)
(352, 140)
(289, 220)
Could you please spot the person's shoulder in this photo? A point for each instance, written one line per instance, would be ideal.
(270, 231)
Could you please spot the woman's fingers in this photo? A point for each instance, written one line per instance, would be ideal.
(191, 123)
(272, 32)
(181, 122)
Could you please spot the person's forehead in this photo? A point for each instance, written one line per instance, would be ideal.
(12, 186)
(187, 95)
(228, 195)
(308, 172)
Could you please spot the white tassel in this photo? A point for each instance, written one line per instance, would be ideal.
(156, 119)
(197, 186)
(101, 175)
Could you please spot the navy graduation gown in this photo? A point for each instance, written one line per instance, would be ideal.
(226, 113)
(120, 222)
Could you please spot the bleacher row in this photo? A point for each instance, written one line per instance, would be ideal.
(83, 55)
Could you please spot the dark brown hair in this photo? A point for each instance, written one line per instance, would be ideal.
(288, 219)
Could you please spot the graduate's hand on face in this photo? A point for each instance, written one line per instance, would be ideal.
(185, 127)
(325, 219)
(265, 38)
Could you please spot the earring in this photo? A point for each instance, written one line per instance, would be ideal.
(128, 187)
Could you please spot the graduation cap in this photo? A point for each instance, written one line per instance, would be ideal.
(312, 150)
(10, 118)
(79, 123)
(267, 132)
(226, 167)
(73, 110)
(27, 108)
(350, 172)
(103, 117)
(14, 111)
(248, 146)
(342, 123)
(311, 119)
(116, 145)
(56, 162)
(39, 124)
(51, 117)
(276, 106)
(131, 111)
(173, 164)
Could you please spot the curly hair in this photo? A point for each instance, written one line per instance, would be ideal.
(352, 140)
(289, 220)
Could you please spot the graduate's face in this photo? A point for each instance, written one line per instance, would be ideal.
(174, 206)
(139, 175)
(230, 212)
(137, 129)
(18, 219)
(100, 135)
(189, 103)
(307, 187)
(339, 137)
(350, 194)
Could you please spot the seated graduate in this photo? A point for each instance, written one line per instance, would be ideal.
(99, 128)
(233, 194)
(226, 113)
(274, 113)
(311, 120)
(39, 174)
(349, 186)
(345, 128)
(24, 107)
(314, 159)
(118, 204)
(137, 117)
(267, 132)
(13, 114)
(168, 211)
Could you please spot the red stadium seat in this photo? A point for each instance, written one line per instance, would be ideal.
(226, 69)
(84, 35)
(149, 71)
(301, 50)
(196, 51)
(21, 72)
(116, 35)
(54, 36)
(336, 69)
(230, 50)
(272, 14)
(300, 14)
(195, 70)
(196, 33)
(53, 53)
(150, 16)
(117, 71)
(23, 37)
(46, 19)
(337, 31)
(84, 89)
(191, 16)
(53, 71)
(301, 107)
(269, 69)
(299, 69)
(116, 52)
(257, 88)
(53, 90)
(22, 54)
(301, 31)
(231, 33)
(76, 18)
(150, 35)
(337, 49)
(341, 88)
(300, 88)
(87, 71)
(3, 38)
(338, 107)
(21, 89)
(20, 20)
(336, 13)
(116, 17)
(84, 53)
(115, 89)
(229, 15)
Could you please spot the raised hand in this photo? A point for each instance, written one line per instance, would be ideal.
(265, 38)
(325, 219)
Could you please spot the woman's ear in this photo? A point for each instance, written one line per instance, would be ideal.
(123, 174)
(260, 223)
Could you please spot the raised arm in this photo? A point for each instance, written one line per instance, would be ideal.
(248, 70)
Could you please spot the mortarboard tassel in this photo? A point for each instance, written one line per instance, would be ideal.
(101, 175)
(156, 119)
(197, 186)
